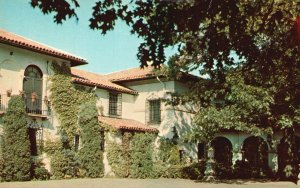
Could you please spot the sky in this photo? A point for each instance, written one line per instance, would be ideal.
(105, 53)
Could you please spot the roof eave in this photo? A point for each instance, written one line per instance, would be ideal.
(74, 61)
(103, 87)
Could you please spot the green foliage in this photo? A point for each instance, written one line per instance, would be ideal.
(64, 164)
(51, 146)
(142, 149)
(119, 156)
(39, 171)
(90, 155)
(194, 171)
(16, 145)
(168, 163)
(1, 168)
(116, 160)
(71, 102)
(226, 171)
(134, 157)
(234, 106)
(66, 99)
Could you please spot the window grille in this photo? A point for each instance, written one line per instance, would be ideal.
(153, 111)
(115, 104)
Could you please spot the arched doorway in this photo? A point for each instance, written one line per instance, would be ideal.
(222, 150)
(33, 87)
(284, 157)
(255, 151)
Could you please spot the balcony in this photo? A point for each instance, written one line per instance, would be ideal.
(34, 107)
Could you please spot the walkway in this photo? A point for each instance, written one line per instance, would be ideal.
(139, 183)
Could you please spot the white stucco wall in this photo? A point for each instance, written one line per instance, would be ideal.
(13, 62)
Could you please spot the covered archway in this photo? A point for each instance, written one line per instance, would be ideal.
(255, 151)
(222, 150)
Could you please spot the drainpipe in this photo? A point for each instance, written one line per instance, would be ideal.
(164, 85)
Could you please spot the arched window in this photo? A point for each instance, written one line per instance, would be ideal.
(33, 87)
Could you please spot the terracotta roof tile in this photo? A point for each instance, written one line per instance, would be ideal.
(132, 74)
(142, 73)
(22, 42)
(126, 124)
(92, 79)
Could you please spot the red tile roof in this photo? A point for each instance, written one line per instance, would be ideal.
(22, 42)
(126, 124)
(92, 79)
(132, 74)
(142, 73)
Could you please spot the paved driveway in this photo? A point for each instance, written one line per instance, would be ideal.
(138, 183)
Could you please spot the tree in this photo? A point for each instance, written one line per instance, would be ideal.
(16, 145)
(261, 38)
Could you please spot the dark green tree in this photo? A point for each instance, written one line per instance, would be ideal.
(16, 145)
(91, 133)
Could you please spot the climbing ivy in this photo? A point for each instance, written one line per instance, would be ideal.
(66, 99)
(119, 155)
(90, 154)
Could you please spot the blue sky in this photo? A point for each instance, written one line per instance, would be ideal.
(112, 52)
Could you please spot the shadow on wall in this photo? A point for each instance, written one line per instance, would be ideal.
(182, 121)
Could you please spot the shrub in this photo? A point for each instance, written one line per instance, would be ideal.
(16, 145)
(90, 155)
(117, 159)
(64, 164)
(52, 146)
(41, 173)
(38, 171)
(224, 171)
(142, 155)
(1, 167)
(242, 169)
(194, 171)
(173, 171)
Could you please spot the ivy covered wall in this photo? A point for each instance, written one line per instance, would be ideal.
(75, 107)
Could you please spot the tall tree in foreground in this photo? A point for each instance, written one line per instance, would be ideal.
(16, 145)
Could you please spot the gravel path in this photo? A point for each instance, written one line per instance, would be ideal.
(138, 183)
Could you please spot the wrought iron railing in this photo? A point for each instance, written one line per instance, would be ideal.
(33, 105)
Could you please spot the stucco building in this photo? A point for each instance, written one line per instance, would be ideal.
(130, 100)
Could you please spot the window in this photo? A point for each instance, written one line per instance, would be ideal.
(32, 87)
(153, 111)
(33, 143)
(76, 142)
(201, 151)
(115, 104)
(102, 140)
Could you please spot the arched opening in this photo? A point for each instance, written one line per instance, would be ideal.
(255, 151)
(222, 150)
(32, 88)
(287, 159)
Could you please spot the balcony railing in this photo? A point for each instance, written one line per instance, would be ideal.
(34, 106)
